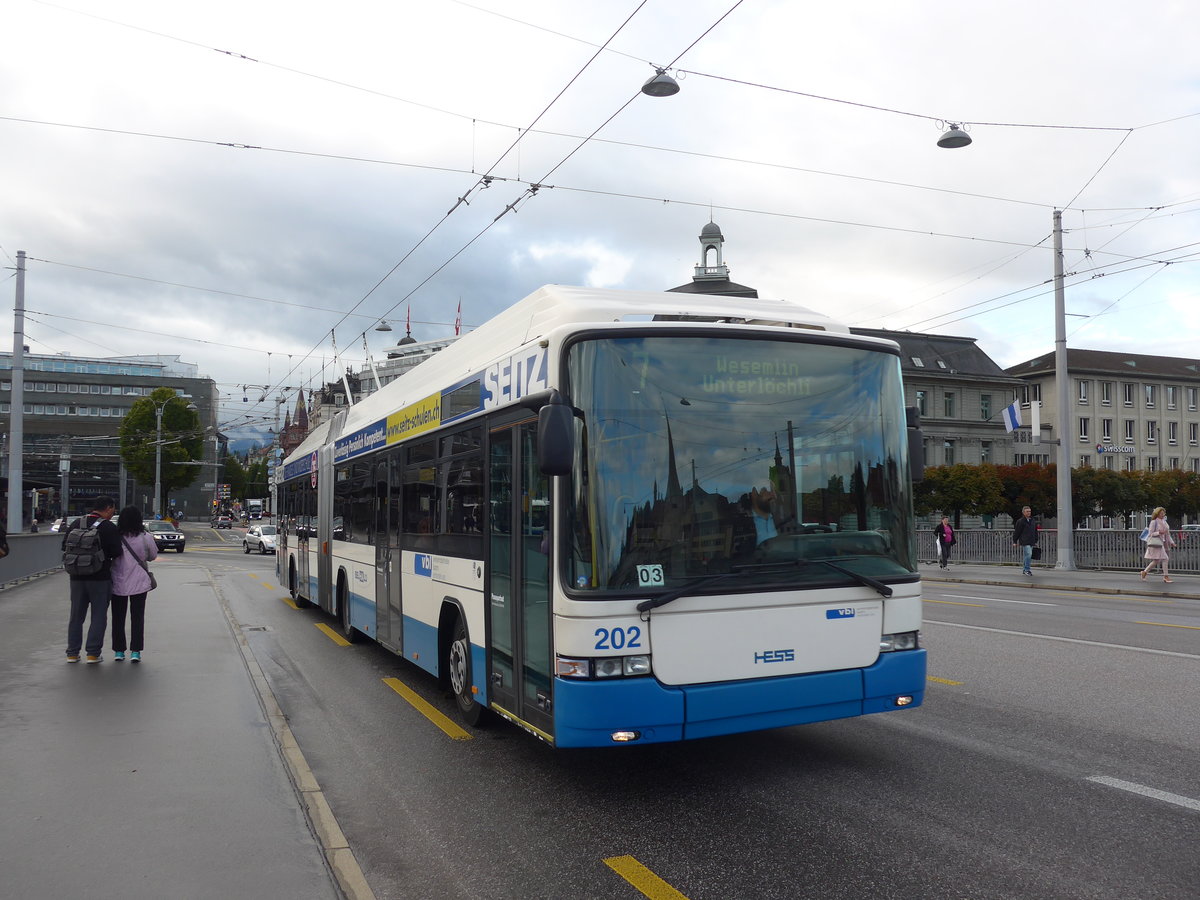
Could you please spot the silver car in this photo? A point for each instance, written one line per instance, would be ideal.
(260, 538)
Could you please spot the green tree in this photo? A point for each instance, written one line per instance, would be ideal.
(256, 480)
(957, 489)
(1032, 485)
(182, 440)
(234, 475)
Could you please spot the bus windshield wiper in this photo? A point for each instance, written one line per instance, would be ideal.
(865, 580)
(664, 599)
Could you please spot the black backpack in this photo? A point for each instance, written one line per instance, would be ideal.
(82, 552)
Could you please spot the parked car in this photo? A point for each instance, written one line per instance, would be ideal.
(222, 522)
(260, 538)
(166, 536)
(58, 524)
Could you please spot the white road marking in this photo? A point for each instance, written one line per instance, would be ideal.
(1065, 640)
(1165, 796)
(998, 600)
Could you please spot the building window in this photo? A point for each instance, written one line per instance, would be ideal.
(1196, 465)
(1152, 464)
(1172, 433)
(1151, 432)
(1173, 462)
(1129, 431)
(1106, 393)
(941, 364)
(1083, 390)
(948, 448)
(1193, 428)
(948, 399)
(1085, 426)
(1170, 390)
(1191, 398)
(1127, 393)
(1106, 429)
(985, 406)
(916, 361)
(1131, 463)
(921, 395)
(1109, 463)
(1150, 395)
(1085, 462)
(985, 451)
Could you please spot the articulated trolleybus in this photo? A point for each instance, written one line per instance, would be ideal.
(627, 517)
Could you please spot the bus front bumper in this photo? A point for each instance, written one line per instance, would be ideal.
(590, 713)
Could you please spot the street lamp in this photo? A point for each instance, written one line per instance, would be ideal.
(158, 414)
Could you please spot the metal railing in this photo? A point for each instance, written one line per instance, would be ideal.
(1118, 550)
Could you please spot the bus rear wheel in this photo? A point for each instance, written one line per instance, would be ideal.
(458, 667)
(349, 632)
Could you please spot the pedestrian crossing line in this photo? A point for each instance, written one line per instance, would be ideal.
(934, 678)
(331, 634)
(646, 882)
(426, 709)
(1169, 625)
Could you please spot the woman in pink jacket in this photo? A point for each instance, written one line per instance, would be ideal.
(1158, 539)
(131, 583)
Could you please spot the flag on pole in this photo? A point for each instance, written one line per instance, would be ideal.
(458, 319)
(1012, 416)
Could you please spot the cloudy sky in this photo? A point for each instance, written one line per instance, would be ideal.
(230, 181)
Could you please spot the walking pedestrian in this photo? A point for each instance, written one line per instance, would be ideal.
(130, 584)
(946, 540)
(91, 593)
(3, 541)
(1158, 539)
(1025, 536)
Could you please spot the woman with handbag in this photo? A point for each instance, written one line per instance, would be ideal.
(131, 581)
(1158, 538)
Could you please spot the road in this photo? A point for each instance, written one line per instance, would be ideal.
(1054, 757)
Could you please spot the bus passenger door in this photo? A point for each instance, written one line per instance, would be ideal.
(518, 589)
(388, 625)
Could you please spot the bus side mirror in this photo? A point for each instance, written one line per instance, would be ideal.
(916, 443)
(556, 436)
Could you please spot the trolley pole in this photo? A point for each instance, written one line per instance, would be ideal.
(16, 418)
(1066, 521)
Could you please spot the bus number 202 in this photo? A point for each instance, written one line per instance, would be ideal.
(618, 638)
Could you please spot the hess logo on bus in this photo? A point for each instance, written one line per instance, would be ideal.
(774, 656)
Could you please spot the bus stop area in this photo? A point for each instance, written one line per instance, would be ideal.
(167, 778)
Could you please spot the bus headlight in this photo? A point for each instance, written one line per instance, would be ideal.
(904, 640)
(602, 666)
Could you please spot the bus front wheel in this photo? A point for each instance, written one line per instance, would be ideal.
(458, 666)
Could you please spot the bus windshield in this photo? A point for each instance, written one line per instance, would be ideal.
(757, 459)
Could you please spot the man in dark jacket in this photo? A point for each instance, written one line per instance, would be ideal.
(93, 592)
(1025, 536)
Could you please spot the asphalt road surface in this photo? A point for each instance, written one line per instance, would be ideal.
(1055, 757)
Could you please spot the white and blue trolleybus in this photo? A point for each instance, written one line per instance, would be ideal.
(627, 517)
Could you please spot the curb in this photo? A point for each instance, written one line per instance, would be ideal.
(1058, 587)
(339, 858)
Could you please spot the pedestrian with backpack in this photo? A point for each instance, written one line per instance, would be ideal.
(89, 547)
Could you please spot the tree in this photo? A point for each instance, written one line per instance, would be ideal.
(1032, 485)
(182, 441)
(957, 489)
(256, 480)
(234, 475)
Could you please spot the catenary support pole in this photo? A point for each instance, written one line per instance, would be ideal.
(16, 416)
(1066, 521)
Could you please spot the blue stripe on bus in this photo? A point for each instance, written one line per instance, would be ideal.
(588, 712)
(362, 613)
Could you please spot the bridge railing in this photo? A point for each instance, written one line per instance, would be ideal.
(1119, 550)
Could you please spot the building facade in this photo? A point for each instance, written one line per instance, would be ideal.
(72, 411)
(1127, 411)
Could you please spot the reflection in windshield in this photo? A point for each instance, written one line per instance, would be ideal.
(701, 455)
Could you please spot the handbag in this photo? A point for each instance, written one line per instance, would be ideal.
(1154, 542)
(1035, 553)
(1145, 533)
(142, 563)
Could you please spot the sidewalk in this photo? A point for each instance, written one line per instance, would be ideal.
(1095, 581)
(155, 780)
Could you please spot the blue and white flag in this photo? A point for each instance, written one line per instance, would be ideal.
(1012, 417)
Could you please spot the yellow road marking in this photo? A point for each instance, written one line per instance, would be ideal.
(953, 603)
(286, 599)
(642, 878)
(332, 635)
(1169, 625)
(428, 711)
(941, 680)
(252, 574)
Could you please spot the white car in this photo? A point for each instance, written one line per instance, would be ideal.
(260, 538)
